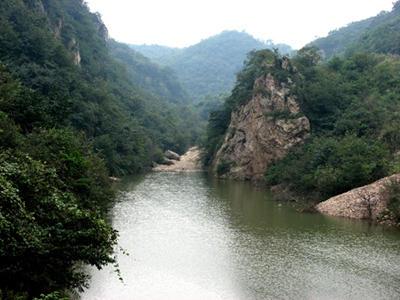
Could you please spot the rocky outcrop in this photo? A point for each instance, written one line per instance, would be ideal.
(101, 28)
(114, 179)
(77, 58)
(189, 162)
(57, 29)
(103, 32)
(367, 202)
(257, 135)
(172, 155)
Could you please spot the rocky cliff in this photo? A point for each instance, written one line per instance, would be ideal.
(262, 130)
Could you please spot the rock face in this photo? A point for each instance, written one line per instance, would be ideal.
(172, 155)
(255, 137)
(366, 202)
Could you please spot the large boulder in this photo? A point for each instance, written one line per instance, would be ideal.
(366, 202)
(172, 155)
(168, 162)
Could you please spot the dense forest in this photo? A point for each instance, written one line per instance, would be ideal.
(209, 66)
(160, 80)
(71, 116)
(353, 105)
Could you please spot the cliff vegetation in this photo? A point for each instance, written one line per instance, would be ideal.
(352, 105)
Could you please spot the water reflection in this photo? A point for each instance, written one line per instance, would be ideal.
(191, 236)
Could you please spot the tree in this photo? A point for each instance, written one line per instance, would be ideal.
(306, 59)
(53, 195)
(44, 233)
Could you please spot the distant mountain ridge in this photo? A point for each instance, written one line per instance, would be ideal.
(209, 67)
(148, 75)
(379, 34)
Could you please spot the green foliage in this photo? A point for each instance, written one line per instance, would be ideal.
(305, 61)
(160, 80)
(392, 190)
(330, 166)
(379, 34)
(154, 52)
(341, 41)
(11, 295)
(96, 95)
(259, 63)
(216, 128)
(381, 37)
(352, 104)
(210, 103)
(174, 125)
(75, 163)
(223, 167)
(30, 108)
(53, 112)
(51, 296)
(46, 229)
(393, 204)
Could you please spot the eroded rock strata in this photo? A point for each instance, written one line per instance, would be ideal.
(256, 136)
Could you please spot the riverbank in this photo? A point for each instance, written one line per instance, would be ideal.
(188, 162)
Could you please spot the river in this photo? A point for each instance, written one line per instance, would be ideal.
(192, 236)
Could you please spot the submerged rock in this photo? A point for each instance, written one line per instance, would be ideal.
(114, 179)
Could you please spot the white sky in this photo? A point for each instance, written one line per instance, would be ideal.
(181, 23)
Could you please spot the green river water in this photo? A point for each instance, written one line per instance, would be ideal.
(191, 236)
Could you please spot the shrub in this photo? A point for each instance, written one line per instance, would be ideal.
(392, 192)
(223, 167)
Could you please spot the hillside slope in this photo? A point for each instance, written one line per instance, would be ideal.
(158, 79)
(60, 47)
(209, 67)
(377, 34)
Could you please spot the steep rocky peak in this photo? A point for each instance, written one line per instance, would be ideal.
(262, 130)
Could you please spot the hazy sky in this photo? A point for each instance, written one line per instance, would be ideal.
(181, 23)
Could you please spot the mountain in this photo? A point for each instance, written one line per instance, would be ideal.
(158, 79)
(382, 36)
(61, 47)
(379, 34)
(154, 52)
(209, 67)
